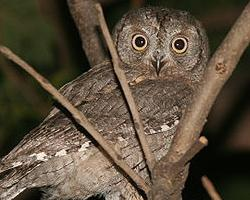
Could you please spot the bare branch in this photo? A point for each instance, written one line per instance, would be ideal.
(208, 185)
(78, 116)
(85, 17)
(150, 159)
(220, 67)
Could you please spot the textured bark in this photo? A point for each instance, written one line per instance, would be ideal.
(85, 17)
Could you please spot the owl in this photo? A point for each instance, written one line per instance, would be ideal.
(164, 54)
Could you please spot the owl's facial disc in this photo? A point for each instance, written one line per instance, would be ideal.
(161, 43)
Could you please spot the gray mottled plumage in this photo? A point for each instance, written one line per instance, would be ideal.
(62, 159)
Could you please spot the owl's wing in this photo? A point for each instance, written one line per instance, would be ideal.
(84, 89)
(100, 79)
(56, 135)
(160, 104)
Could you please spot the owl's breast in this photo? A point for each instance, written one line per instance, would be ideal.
(160, 103)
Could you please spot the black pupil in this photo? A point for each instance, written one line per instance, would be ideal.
(140, 41)
(179, 44)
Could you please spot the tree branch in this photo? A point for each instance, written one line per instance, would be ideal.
(185, 143)
(78, 116)
(85, 17)
(208, 185)
(220, 67)
(150, 159)
(164, 174)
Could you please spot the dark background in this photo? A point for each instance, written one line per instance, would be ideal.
(42, 32)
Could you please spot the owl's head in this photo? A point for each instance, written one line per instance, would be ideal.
(159, 43)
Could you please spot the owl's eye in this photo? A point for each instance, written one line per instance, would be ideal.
(139, 42)
(179, 45)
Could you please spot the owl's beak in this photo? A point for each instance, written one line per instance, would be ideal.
(158, 63)
(158, 66)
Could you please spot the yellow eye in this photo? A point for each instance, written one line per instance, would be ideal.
(139, 42)
(179, 45)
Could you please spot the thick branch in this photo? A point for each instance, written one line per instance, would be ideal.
(78, 116)
(85, 17)
(150, 159)
(220, 67)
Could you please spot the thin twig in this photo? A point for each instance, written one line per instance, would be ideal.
(150, 159)
(208, 185)
(195, 148)
(78, 116)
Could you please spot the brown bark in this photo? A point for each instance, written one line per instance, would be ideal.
(211, 190)
(85, 17)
